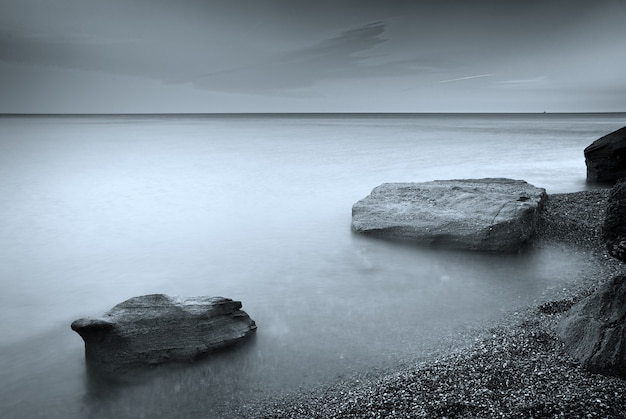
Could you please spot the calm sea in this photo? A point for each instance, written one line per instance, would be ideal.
(95, 210)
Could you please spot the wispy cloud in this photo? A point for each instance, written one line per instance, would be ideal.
(522, 81)
(467, 78)
(338, 57)
(350, 55)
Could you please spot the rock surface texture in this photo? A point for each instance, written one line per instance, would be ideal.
(614, 229)
(606, 157)
(154, 329)
(475, 214)
(594, 330)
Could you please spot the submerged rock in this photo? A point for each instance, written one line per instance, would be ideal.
(594, 330)
(475, 214)
(606, 157)
(154, 329)
(614, 228)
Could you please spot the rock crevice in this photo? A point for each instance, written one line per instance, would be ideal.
(614, 228)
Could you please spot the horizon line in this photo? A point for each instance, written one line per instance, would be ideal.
(51, 114)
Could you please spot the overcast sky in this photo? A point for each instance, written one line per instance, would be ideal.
(312, 56)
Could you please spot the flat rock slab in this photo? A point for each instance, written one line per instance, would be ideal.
(154, 329)
(475, 214)
(594, 329)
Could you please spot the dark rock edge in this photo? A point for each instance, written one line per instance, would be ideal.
(516, 368)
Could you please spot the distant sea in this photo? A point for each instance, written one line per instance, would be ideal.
(98, 209)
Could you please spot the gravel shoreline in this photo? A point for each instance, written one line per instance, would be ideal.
(516, 368)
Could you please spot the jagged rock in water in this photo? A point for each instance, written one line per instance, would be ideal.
(614, 228)
(475, 214)
(154, 329)
(606, 158)
(594, 330)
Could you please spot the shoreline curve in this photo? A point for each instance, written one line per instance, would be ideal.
(515, 368)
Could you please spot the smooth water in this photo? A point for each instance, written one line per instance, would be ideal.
(95, 210)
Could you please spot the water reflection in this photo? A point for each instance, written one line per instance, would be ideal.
(208, 387)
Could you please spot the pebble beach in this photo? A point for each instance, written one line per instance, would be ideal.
(516, 368)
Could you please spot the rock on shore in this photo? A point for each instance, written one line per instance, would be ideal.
(594, 330)
(474, 214)
(606, 157)
(154, 329)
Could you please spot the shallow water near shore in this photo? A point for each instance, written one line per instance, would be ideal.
(99, 209)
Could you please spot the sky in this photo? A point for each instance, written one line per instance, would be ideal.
(174, 56)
